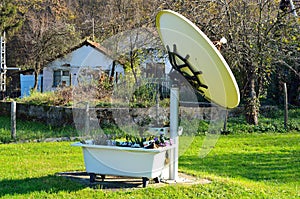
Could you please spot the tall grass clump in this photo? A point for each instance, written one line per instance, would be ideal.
(273, 122)
(60, 97)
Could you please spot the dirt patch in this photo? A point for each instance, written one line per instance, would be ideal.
(119, 182)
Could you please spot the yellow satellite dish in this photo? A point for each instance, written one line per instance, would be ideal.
(192, 54)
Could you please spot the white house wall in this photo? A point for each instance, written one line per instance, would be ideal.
(47, 79)
(85, 56)
(74, 74)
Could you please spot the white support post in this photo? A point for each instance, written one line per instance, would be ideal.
(174, 110)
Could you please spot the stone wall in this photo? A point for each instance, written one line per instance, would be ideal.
(52, 115)
(61, 116)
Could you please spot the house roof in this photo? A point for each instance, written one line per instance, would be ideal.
(86, 42)
(96, 46)
(93, 44)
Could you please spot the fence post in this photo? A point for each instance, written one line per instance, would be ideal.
(87, 119)
(285, 105)
(13, 120)
(225, 123)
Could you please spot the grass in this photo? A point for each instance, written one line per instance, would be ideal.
(270, 121)
(27, 130)
(261, 164)
(273, 122)
(240, 166)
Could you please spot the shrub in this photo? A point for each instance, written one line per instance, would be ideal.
(38, 98)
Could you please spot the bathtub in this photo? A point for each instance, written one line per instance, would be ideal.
(125, 161)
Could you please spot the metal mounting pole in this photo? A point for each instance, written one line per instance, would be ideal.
(2, 64)
(174, 110)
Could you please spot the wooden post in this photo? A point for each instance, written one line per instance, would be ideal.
(285, 105)
(13, 120)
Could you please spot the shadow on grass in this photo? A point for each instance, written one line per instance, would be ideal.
(48, 184)
(109, 182)
(272, 167)
(66, 181)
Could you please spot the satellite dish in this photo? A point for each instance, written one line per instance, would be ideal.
(192, 54)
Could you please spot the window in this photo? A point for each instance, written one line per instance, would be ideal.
(65, 73)
(61, 78)
(56, 78)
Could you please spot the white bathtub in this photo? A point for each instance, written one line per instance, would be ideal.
(125, 161)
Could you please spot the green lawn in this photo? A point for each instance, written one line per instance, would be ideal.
(240, 166)
(29, 130)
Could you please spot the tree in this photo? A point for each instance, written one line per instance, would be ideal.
(131, 48)
(263, 40)
(287, 41)
(260, 49)
(10, 18)
(254, 47)
(44, 34)
(252, 50)
(122, 26)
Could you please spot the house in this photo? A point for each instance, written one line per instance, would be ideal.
(64, 70)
